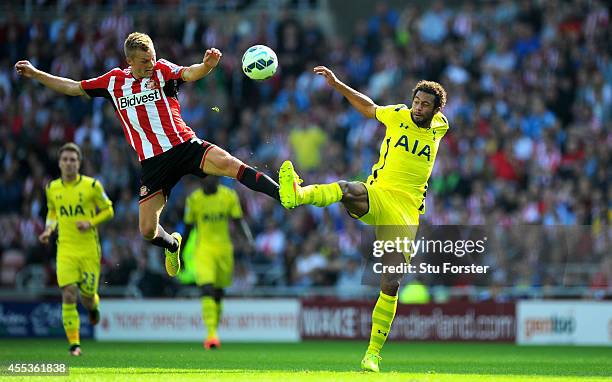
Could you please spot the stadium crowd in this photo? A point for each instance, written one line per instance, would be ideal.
(530, 109)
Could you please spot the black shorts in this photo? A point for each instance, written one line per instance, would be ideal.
(162, 172)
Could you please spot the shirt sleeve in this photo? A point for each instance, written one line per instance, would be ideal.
(442, 125)
(386, 114)
(189, 217)
(101, 200)
(171, 71)
(97, 87)
(235, 209)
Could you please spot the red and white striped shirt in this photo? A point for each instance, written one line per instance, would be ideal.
(148, 108)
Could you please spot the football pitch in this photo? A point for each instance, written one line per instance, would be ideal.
(312, 361)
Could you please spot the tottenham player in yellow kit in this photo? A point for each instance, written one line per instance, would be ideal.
(76, 205)
(393, 196)
(210, 209)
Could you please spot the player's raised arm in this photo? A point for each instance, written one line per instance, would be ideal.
(59, 84)
(360, 101)
(209, 62)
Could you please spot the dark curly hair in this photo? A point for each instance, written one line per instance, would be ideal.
(433, 88)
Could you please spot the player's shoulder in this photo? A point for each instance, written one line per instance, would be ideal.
(54, 184)
(89, 181)
(118, 72)
(165, 64)
(224, 190)
(397, 108)
(194, 194)
(394, 110)
(440, 120)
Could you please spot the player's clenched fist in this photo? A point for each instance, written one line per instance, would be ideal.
(212, 57)
(25, 68)
(330, 77)
(44, 237)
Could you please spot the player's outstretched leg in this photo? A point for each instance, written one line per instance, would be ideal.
(219, 162)
(293, 195)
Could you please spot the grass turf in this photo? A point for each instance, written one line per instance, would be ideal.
(314, 361)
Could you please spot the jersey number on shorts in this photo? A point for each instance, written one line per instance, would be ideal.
(89, 280)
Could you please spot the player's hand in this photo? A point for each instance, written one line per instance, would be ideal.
(212, 57)
(83, 226)
(330, 77)
(44, 236)
(25, 68)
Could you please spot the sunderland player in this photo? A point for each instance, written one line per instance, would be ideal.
(393, 196)
(76, 205)
(144, 97)
(210, 209)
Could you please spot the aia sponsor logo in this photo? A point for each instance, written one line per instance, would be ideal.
(139, 99)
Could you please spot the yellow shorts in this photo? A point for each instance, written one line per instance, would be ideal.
(80, 267)
(393, 214)
(214, 265)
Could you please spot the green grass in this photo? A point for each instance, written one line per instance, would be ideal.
(314, 361)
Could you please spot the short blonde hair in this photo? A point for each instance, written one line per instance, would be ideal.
(137, 41)
(70, 147)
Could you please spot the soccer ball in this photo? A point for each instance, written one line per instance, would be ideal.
(259, 62)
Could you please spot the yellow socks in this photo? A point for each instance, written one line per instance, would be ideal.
(219, 310)
(320, 195)
(382, 317)
(210, 315)
(96, 301)
(70, 318)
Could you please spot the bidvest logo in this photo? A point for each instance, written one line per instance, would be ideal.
(139, 99)
(558, 325)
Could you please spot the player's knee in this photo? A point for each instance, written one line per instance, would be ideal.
(227, 163)
(207, 290)
(390, 283)
(345, 188)
(69, 294)
(351, 191)
(218, 295)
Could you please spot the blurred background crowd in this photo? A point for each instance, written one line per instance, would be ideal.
(529, 103)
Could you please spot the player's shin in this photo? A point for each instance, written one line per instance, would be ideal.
(219, 311)
(257, 181)
(209, 315)
(382, 317)
(71, 321)
(320, 195)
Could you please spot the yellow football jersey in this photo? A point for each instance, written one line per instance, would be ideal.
(408, 152)
(211, 214)
(69, 203)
